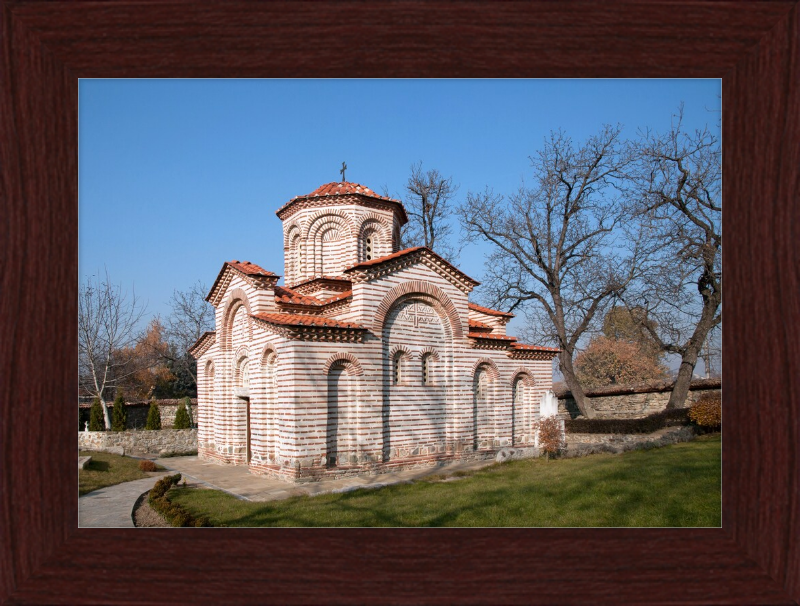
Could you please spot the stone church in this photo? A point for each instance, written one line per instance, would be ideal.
(369, 359)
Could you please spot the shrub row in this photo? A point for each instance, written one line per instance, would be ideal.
(174, 513)
(654, 422)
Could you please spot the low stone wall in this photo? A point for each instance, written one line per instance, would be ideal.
(633, 402)
(581, 444)
(163, 441)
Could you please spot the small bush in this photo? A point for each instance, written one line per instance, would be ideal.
(551, 440)
(182, 416)
(96, 420)
(707, 411)
(153, 417)
(119, 415)
(147, 465)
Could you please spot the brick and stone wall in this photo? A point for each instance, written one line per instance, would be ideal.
(177, 441)
(634, 402)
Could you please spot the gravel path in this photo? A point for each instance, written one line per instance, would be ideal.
(145, 516)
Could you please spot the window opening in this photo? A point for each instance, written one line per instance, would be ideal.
(396, 376)
(426, 368)
(369, 248)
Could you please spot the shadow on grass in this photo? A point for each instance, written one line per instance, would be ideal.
(95, 465)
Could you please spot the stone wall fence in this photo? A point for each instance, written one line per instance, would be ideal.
(161, 442)
(632, 401)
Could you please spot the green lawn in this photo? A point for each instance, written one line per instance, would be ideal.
(106, 470)
(672, 486)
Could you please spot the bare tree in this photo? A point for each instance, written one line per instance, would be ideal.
(428, 205)
(556, 246)
(191, 316)
(108, 323)
(679, 191)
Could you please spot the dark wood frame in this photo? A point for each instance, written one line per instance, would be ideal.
(48, 46)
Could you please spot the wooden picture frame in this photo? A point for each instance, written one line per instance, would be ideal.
(48, 46)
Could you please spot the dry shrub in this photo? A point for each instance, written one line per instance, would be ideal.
(551, 439)
(707, 411)
(147, 465)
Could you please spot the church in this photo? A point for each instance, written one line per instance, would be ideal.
(369, 359)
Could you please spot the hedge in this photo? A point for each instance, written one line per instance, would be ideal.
(174, 513)
(659, 420)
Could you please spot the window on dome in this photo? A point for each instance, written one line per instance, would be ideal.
(368, 248)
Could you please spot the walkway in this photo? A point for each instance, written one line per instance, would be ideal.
(239, 482)
(112, 506)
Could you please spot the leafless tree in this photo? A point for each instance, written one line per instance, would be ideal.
(191, 316)
(108, 323)
(428, 203)
(556, 245)
(679, 192)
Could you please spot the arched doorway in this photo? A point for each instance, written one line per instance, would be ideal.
(482, 406)
(342, 416)
(417, 365)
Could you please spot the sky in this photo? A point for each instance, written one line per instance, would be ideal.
(178, 176)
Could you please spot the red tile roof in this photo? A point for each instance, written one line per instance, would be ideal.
(245, 267)
(290, 296)
(403, 253)
(287, 295)
(336, 279)
(301, 320)
(479, 325)
(486, 335)
(344, 188)
(535, 347)
(251, 269)
(491, 312)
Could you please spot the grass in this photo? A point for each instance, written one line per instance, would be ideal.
(673, 486)
(107, 469)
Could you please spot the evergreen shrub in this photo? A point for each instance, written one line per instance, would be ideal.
(96, 420)
(153, 417)
(119, 415)
(182, 416)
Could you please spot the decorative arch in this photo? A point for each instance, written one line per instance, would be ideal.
(316, 221)
(434, 353)
(236, 298)
(353, 367)
(399, 349)
(521, 371)
(268, 351)
(373, 226)
(493, 373)
(416, 287)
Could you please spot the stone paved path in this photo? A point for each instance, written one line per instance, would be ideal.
(111, 507)
(241, 483)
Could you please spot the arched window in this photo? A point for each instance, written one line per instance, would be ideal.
(243, 373)
(397, 371)
(427, 368)
(368, 248)
(517, 410)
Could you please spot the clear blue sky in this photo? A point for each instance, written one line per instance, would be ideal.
(178, 176)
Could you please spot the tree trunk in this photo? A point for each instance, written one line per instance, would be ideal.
(574, 386)
(106, 415)
(680, 390)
